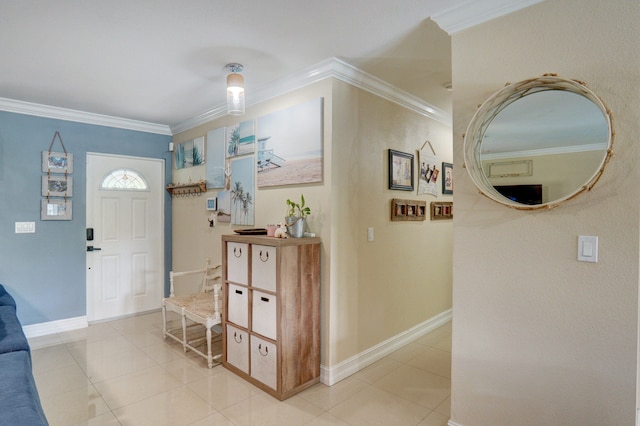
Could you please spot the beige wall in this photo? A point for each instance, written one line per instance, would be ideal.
(539, 338)
(371, 291)
(577, 168)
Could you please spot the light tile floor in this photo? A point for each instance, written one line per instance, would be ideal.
(123, 373)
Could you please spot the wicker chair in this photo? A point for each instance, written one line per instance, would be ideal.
(202, 309)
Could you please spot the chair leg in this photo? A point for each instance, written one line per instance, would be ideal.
(184, 332)
(164, 321)
(209, 357)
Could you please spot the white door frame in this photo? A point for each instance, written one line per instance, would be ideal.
(161, 213)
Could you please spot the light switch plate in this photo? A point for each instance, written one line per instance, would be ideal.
(25, 227)
(587, 248)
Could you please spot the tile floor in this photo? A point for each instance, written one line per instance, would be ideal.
(123, 373)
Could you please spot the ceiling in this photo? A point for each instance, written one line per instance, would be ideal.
(163, 61)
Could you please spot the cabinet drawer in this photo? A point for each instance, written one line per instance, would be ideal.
(238, 305)
(238, 262)
(264, 311)
(263, 362)
(263, 267)
(238, 348)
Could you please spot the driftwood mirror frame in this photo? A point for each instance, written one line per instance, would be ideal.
(491, 108)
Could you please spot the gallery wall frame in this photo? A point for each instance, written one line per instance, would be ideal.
(57, 162)
(56, 209)
(441, 210)
(447, 178)
(290, 145)
(400, 170)
(408, 210)
(57, 186)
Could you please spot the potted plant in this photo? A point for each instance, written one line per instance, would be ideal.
(296, 217)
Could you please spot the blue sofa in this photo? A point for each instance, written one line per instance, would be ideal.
(19, 400)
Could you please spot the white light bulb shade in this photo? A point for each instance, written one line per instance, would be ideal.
(235, 94)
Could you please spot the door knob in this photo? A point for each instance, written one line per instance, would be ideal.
(92, 248)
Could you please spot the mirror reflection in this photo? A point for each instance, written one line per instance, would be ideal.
(538, 143)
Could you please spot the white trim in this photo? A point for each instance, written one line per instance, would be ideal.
(330, 68)
(53, 327)
(546, 151)
(28, 108)
(331, 376)
(452, 423)
(470, 13)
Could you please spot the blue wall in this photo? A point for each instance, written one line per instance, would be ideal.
(45, 271)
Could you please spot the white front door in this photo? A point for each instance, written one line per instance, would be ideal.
(125, 269)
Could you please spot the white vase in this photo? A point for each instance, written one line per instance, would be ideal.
(295, 226)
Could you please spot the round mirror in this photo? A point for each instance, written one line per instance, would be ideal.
(539, 142)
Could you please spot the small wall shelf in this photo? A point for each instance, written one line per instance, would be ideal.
(189, 189)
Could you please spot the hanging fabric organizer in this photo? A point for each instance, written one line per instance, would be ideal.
(57, 184)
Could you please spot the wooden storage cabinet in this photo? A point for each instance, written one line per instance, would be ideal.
(272, 311)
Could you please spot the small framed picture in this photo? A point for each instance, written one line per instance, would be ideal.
(57, 186)
(441, 210)
(212, 204)
(57, 162)
(447, 178)
(55, 209)
(400, 170)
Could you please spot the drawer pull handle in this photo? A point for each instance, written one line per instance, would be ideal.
(265, 257)
(237, 251)
(238, 291)
(264, 299)
(237, 337)
(266, 350)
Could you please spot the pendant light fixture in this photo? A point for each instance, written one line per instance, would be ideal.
(235, 89)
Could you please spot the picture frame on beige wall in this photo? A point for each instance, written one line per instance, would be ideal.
(400, 170)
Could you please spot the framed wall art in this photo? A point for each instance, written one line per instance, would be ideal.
(290, 145)
(441, 210)
(447, 179)
(57, 186)
(400, 170)
(56, 209)
(408, 210)
(57, 162)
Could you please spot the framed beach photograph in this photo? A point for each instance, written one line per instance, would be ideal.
(447, 178)
(190, 153)
(243, 194)
(57, 186)
(241, 139)
(57, 162)
(55, 209)
(215, 158)
(290, 145)
(400, 170)
(224, 206)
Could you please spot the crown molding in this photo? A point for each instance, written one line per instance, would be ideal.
(330, 68)
(470, 13)
(28, 108)
(545, 151)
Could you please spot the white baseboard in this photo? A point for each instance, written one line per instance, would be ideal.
(331, 376)
(450, 423)
(53, 327)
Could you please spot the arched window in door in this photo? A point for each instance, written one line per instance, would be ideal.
(124, 180)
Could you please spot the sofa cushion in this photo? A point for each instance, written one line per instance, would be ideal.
(19, 400)
(12, 337)
(5, 298)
